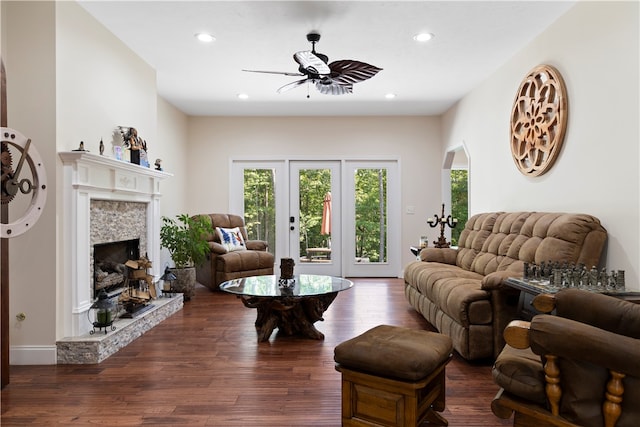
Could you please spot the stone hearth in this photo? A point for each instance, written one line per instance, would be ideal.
(94, 348)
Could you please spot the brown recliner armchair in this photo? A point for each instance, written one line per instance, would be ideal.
(580, 367)
(222, 265)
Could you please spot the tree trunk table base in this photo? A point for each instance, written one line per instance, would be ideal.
(291, 315)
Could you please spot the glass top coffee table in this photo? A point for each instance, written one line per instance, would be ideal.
(291, 305)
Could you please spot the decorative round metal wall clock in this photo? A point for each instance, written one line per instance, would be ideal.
(24, 183)
(538, 120)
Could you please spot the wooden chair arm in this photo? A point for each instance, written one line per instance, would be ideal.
(517, 334)
(544, 303)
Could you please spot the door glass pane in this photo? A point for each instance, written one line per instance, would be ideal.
(315, 215)
(371, 215)
(260, 206)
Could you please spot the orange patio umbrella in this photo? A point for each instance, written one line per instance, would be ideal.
(325, 226)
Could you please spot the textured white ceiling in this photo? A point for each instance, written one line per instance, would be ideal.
(472, 40)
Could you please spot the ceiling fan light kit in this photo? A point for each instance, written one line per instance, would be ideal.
(335, 78)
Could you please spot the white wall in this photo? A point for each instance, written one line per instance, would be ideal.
(595, 46)
(173, 133)
(30, 65)
(414, 140)
(101, 84)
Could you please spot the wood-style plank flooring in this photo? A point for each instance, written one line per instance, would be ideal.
(204, 367)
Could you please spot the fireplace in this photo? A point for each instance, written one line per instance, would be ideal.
(109, 270)
(105, 201)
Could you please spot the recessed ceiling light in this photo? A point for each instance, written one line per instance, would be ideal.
(423, 37)
(205, 37)
(390, 95)
(243, 96)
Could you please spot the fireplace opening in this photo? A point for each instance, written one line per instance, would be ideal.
(109, 270)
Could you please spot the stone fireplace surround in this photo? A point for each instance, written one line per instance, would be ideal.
(105, 200)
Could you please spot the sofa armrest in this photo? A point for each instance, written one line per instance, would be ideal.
(496, 280)
(217, 248)
(256, 245)
(442, 255)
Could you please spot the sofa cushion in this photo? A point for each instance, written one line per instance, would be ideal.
(240, 261)
(520, 372)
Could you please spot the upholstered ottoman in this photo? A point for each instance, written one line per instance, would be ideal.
(393, 376)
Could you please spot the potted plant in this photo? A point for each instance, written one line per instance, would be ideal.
(185, 238)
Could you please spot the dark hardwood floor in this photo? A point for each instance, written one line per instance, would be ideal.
(204, 367)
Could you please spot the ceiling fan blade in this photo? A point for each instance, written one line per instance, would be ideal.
(334, 88)
(310, 62)
(349, 72)
(284, 73)
(291, 85)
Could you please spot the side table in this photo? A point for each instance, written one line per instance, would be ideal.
(529, 289)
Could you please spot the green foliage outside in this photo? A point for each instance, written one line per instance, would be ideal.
(260, 206)
(314, 184)
(371, 214)
(371, 209)
(459, 202)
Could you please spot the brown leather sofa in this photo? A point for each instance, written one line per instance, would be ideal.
(462, 291)
(580, 367)
(222, 265)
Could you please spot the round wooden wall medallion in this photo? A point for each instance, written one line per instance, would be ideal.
(538, 120)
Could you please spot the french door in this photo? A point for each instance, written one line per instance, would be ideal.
(315, 217)
(334, 217)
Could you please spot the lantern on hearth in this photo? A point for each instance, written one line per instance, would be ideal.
(168, 278)
(103, 313)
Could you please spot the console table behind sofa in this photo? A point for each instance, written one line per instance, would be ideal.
(462, 292)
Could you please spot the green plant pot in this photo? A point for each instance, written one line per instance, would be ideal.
(186, 281)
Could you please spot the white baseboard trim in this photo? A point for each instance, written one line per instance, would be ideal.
(32, 355)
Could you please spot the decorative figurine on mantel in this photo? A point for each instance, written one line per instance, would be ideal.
(158, 164)
(101, 147)
(134, 143)
(80, 147)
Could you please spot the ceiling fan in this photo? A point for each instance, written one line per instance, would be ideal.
(336, 78)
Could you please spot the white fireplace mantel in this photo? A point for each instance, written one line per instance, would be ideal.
(89, 176)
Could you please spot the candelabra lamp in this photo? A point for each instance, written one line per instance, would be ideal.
(442, 221)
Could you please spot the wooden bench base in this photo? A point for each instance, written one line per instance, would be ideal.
(376, 401)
